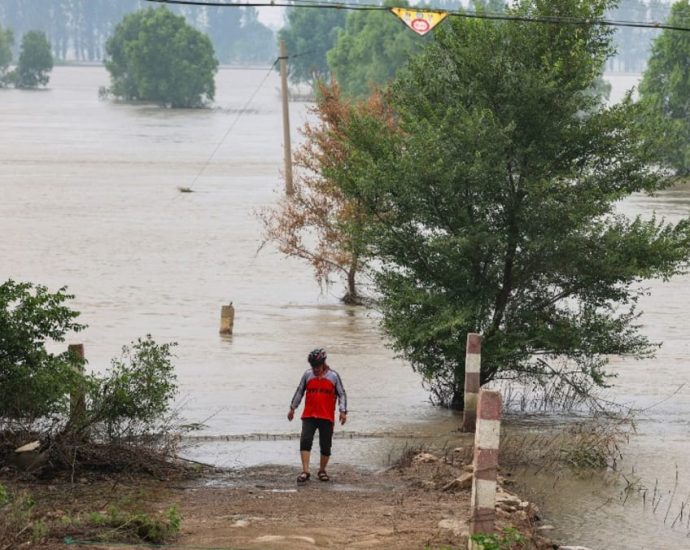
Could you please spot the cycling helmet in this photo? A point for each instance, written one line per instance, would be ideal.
(317, 357)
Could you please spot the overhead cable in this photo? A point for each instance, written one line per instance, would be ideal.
(554, 20)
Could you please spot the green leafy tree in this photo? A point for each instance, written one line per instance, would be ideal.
(309, 35)
(665, 92)
(601, 89)
(494, 202)
(34, 383)
(35, 61)
(370, 50)
(154, 55)
(318, 222)
(6, 42)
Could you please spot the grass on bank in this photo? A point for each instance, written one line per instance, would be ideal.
(99, 511)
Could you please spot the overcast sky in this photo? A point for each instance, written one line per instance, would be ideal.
(272, 16)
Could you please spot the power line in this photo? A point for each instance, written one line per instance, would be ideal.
(242, 111)
(242, 68)
(557, 20)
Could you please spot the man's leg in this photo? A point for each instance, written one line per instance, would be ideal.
(323, 462)
(305, 455)
(325, 443)
(305, 442)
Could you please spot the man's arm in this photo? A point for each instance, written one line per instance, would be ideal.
(297, 398)
(342, 398)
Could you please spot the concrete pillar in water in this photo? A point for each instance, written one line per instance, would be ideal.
(473, 356)
(485, 463)
(77, 399)
(227, 319)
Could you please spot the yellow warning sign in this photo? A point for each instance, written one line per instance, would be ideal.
(420, 21)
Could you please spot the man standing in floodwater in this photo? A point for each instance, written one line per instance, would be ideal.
(322, 386)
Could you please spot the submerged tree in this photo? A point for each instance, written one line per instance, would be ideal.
(318, 223)
(665, 92)
(492, 205)
(35, 61)
(156, 56)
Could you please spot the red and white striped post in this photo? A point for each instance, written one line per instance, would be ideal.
(485, 463)
(473, 356)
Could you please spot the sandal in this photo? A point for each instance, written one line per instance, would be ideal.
(323, 476)
(303, 477)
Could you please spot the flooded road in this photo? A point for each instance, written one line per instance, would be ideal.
(89, 199)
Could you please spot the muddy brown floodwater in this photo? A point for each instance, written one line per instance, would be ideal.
(89, 199)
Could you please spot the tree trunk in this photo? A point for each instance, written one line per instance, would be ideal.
(457, 403)
(352, 297)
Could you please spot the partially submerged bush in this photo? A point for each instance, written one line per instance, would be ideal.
(134, 397)
(129, 406)
(127, 421)
(563, 387)
(588, 444)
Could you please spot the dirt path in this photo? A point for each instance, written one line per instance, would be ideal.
(418, 504)
(264, 508)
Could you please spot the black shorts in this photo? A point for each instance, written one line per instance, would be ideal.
(309, 427)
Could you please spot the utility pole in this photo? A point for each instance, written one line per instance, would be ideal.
(289, 189)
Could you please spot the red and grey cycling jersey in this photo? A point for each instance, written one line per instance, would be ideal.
(321, 395)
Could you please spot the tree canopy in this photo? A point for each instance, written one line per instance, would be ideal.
(155, 56)
(33, 381)
(35, 61)
(6, 42)
(665, 92)
(308, 36)
(371, 48)
(493, 202)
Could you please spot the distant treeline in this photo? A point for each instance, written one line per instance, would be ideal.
(78, 29)
(633, 45)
